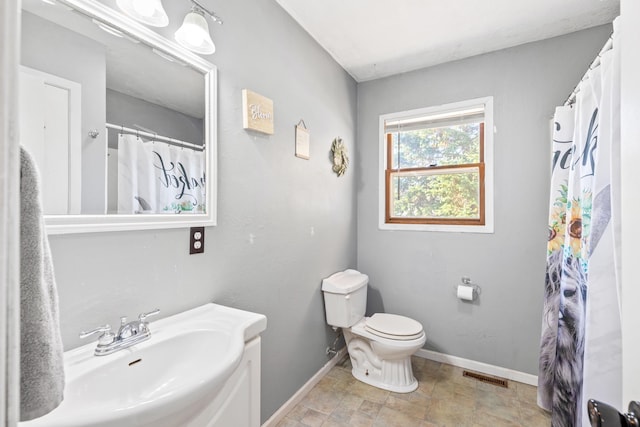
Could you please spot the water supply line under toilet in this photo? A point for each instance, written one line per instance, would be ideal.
(331, 350)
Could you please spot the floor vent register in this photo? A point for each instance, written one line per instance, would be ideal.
(501, 382)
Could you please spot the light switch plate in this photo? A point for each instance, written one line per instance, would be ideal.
(196, 240)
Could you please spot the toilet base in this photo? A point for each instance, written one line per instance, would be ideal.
(393, 374)
(396, 378)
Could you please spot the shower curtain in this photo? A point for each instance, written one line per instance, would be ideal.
(580, 352)
(155, 177)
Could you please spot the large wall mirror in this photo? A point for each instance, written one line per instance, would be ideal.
(121, 121)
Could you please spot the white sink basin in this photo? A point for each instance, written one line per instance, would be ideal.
(162, 381)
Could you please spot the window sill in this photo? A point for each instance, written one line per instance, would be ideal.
(481, 229)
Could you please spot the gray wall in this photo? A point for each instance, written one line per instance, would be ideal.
(263, 190)
(55, 50)
(129, 111)
(415, 273)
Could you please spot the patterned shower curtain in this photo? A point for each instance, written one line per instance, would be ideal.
(580, 354)
(155, 177)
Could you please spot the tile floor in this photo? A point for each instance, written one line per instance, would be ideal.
(444, 398)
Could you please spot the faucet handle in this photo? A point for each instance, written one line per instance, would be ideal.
(105, 328)
(105, 339)
(142, 316)
(107, 336)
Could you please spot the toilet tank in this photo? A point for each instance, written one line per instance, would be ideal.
(345, 297)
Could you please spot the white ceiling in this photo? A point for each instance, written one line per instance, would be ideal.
(377, 38)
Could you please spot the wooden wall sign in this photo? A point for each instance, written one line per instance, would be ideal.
(257, 112)
(302, 140)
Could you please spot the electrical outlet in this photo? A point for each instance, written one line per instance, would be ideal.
(196, 240)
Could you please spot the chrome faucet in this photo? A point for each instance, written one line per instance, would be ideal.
(129, 333)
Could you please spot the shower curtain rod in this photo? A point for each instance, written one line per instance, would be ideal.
(595, 63)
(155, 137)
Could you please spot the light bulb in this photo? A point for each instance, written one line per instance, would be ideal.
(143, 7)
(149, 12)
(194, 33)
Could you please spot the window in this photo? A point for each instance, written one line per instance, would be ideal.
(436, 169)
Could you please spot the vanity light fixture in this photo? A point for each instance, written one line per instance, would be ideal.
(108, 28)
(163, 55)
(194, 32)
(114, 31)
(169, 58)
(149, 12)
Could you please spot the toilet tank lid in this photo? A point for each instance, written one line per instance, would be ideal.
(344, 282)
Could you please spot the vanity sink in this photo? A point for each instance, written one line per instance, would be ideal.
(166, 381)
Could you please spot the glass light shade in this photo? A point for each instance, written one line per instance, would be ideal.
(108, 28)
(149, 12)
(194, 34)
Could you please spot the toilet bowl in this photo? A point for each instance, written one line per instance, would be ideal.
(380, 346)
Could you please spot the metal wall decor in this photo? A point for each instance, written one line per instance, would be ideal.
(340, 157)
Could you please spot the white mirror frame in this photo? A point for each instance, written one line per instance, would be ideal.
(65, 224)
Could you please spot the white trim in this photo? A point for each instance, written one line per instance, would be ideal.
(302, 392)
(105, 148)
(489, 131)
(9, 214)
(630, 203)
(481, 367)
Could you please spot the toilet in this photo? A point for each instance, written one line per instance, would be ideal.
(380, 346)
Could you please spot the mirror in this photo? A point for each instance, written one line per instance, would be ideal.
(120, 120)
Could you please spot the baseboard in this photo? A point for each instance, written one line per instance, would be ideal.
(302, 392)
(484, 368)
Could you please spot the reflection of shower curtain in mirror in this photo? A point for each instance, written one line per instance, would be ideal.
(155, 177)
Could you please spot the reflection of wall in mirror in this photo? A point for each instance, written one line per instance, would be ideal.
(132, 112)
(59, 51)
(136, 113)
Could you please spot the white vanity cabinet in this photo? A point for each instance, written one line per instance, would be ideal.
(238, 403)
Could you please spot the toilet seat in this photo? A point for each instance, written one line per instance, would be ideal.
(393, 326)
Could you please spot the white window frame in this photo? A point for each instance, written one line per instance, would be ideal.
(488, 164)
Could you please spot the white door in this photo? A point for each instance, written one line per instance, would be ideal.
(630, 134)
(50, 131)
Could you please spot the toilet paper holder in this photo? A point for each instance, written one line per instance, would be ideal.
(466, 281)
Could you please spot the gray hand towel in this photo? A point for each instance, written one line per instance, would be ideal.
(41, 360)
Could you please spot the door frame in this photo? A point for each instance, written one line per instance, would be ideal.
(9, 213)
(630, 174)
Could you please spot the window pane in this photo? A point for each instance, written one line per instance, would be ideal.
(451, 194)
(440, 146)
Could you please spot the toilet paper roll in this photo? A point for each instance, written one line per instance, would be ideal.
(465, 292)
